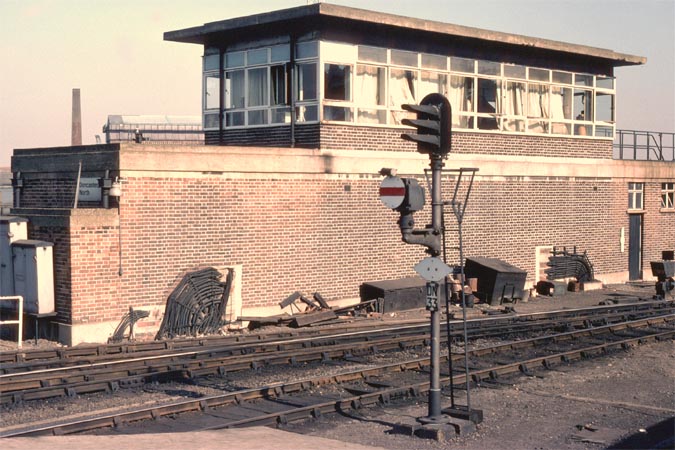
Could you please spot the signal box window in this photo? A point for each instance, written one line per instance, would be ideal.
(668, 196)
(635, 196)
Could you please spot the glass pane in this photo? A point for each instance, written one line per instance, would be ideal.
(306, 80)
(280, 53)
(561, 103)
(463, 122)
(372, 116)
(539, 74)
(402, 58)
(337, 113)
(234, 89)
(604, 107)
(583, 80)
(234, 59)
(211, 62)
(336, 82)
(212, 92)
(370, 85)
(562, 77)
(278, 87)
(434, 62)
(561, 128)
(487, 103)
(402, 87)
(258, 56)
(538, 100)
(281, 115)
(638, 200)
(582, 130)
(514, 105)
(308, 113)
(257, 117)
(462, 65)
(211, 120)
(489, 67)
(537, 126)
(257, 87)
(512, 71)
(583, 106)
(234, 119)
(461, 93)
(306, 50)
(604, 131)
(604, 82)
(433, 83)
(373, 54)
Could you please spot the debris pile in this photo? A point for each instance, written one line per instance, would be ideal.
(197, 305)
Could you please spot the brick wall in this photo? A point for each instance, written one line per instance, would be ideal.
(331, 235)
(658, 227)
(379, 138)
(314, 231)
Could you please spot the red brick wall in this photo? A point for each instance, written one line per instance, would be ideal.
(381, 138)
(324, 233)
(658, 227)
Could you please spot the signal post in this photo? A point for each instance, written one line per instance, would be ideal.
(405, 195)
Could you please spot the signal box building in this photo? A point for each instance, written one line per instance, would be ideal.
(301, 109)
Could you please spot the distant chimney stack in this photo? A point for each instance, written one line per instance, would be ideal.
(76, 135)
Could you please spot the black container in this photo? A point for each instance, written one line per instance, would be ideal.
(497, 280)
(399, 295)
(663, 269)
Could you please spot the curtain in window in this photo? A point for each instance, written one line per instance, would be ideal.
(401, 91)
(433, 82)
(514, 105)
(537, 107)
(368, 85)
(234, 89)
(257, 87)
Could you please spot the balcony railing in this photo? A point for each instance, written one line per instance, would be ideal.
(644, 145)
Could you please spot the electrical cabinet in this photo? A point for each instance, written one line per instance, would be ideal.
(11, 229)
(34, 275)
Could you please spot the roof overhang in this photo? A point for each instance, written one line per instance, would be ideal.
(206, 33)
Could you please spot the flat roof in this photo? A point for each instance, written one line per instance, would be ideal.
(203, 34)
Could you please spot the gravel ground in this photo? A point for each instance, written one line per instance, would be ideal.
(616, 395)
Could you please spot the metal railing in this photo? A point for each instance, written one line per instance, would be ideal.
(644, 145)
(18, 321)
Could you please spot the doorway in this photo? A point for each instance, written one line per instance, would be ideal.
(635, 247)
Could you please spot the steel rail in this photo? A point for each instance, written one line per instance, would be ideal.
(381, 395)
(111, 376)
(12, 358)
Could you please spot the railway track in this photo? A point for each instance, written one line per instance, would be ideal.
(17, 360)
(40, 380)
(356, 388)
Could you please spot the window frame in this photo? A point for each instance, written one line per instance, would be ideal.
(461, 76)
(636, 194)
(667, 203)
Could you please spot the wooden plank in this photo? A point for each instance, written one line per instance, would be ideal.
(310, 318)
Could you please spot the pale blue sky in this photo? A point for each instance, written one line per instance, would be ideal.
(113, 51)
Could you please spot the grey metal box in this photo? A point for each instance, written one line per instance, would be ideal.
(34, 275)
(11, 229)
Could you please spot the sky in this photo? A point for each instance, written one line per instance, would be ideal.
(114, 52)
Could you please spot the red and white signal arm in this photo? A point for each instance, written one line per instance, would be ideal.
(392, 192)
